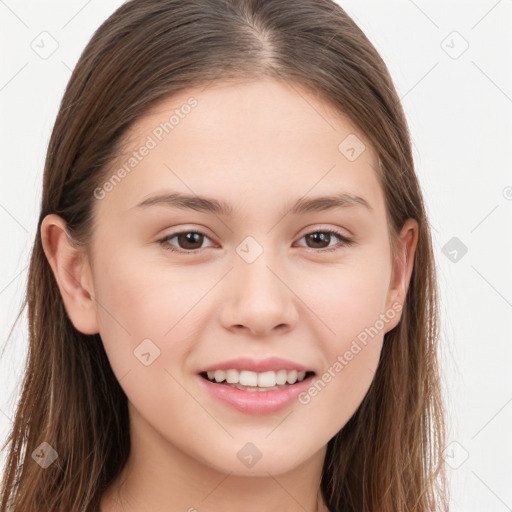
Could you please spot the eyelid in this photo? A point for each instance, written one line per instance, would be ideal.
(314, 228)
(180, 229)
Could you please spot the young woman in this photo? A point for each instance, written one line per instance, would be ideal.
(232, 292)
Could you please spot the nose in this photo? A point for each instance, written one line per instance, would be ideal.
(259, 299)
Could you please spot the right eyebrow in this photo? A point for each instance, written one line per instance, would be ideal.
(189, 202)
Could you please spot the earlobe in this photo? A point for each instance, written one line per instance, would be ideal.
(71, 270)
(404, 264)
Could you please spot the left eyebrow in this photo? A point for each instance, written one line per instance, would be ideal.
(219, 207)
(321, 203)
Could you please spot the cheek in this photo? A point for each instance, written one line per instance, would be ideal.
(137, 303)
(145, 325)
(351, 356)
(334, 396)
(347, 298)
(353, 322)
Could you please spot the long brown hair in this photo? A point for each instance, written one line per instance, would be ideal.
(388, 456)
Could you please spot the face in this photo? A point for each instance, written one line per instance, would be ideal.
(260, 268)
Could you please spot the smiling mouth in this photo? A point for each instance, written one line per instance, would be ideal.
(253, 381)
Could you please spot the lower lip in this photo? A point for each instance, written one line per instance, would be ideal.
(256, 402)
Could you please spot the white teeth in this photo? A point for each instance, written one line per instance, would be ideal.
(268, 379)
(291, 377)
(232, 376)
(247, 378)
(281, 377)
(219, 375)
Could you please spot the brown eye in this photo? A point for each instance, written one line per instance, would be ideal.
(318, 238)
(189, 242)
(321, 240)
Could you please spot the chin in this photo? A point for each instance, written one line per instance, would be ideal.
(257, 459)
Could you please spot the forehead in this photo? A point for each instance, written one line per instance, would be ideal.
(253, 139)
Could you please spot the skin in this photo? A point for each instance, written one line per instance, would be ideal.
(257, 145)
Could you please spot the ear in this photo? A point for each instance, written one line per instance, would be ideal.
(402, 270)
(72, 272)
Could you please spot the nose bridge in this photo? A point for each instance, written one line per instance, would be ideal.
(257, 280)
(253, 271)
(259, 299)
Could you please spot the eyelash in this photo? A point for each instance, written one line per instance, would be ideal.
(346, 242)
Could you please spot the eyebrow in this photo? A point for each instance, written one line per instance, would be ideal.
(219, 207)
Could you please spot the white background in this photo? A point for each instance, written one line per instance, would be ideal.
(459, 108)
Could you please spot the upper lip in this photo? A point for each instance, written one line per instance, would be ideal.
(257, 365)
